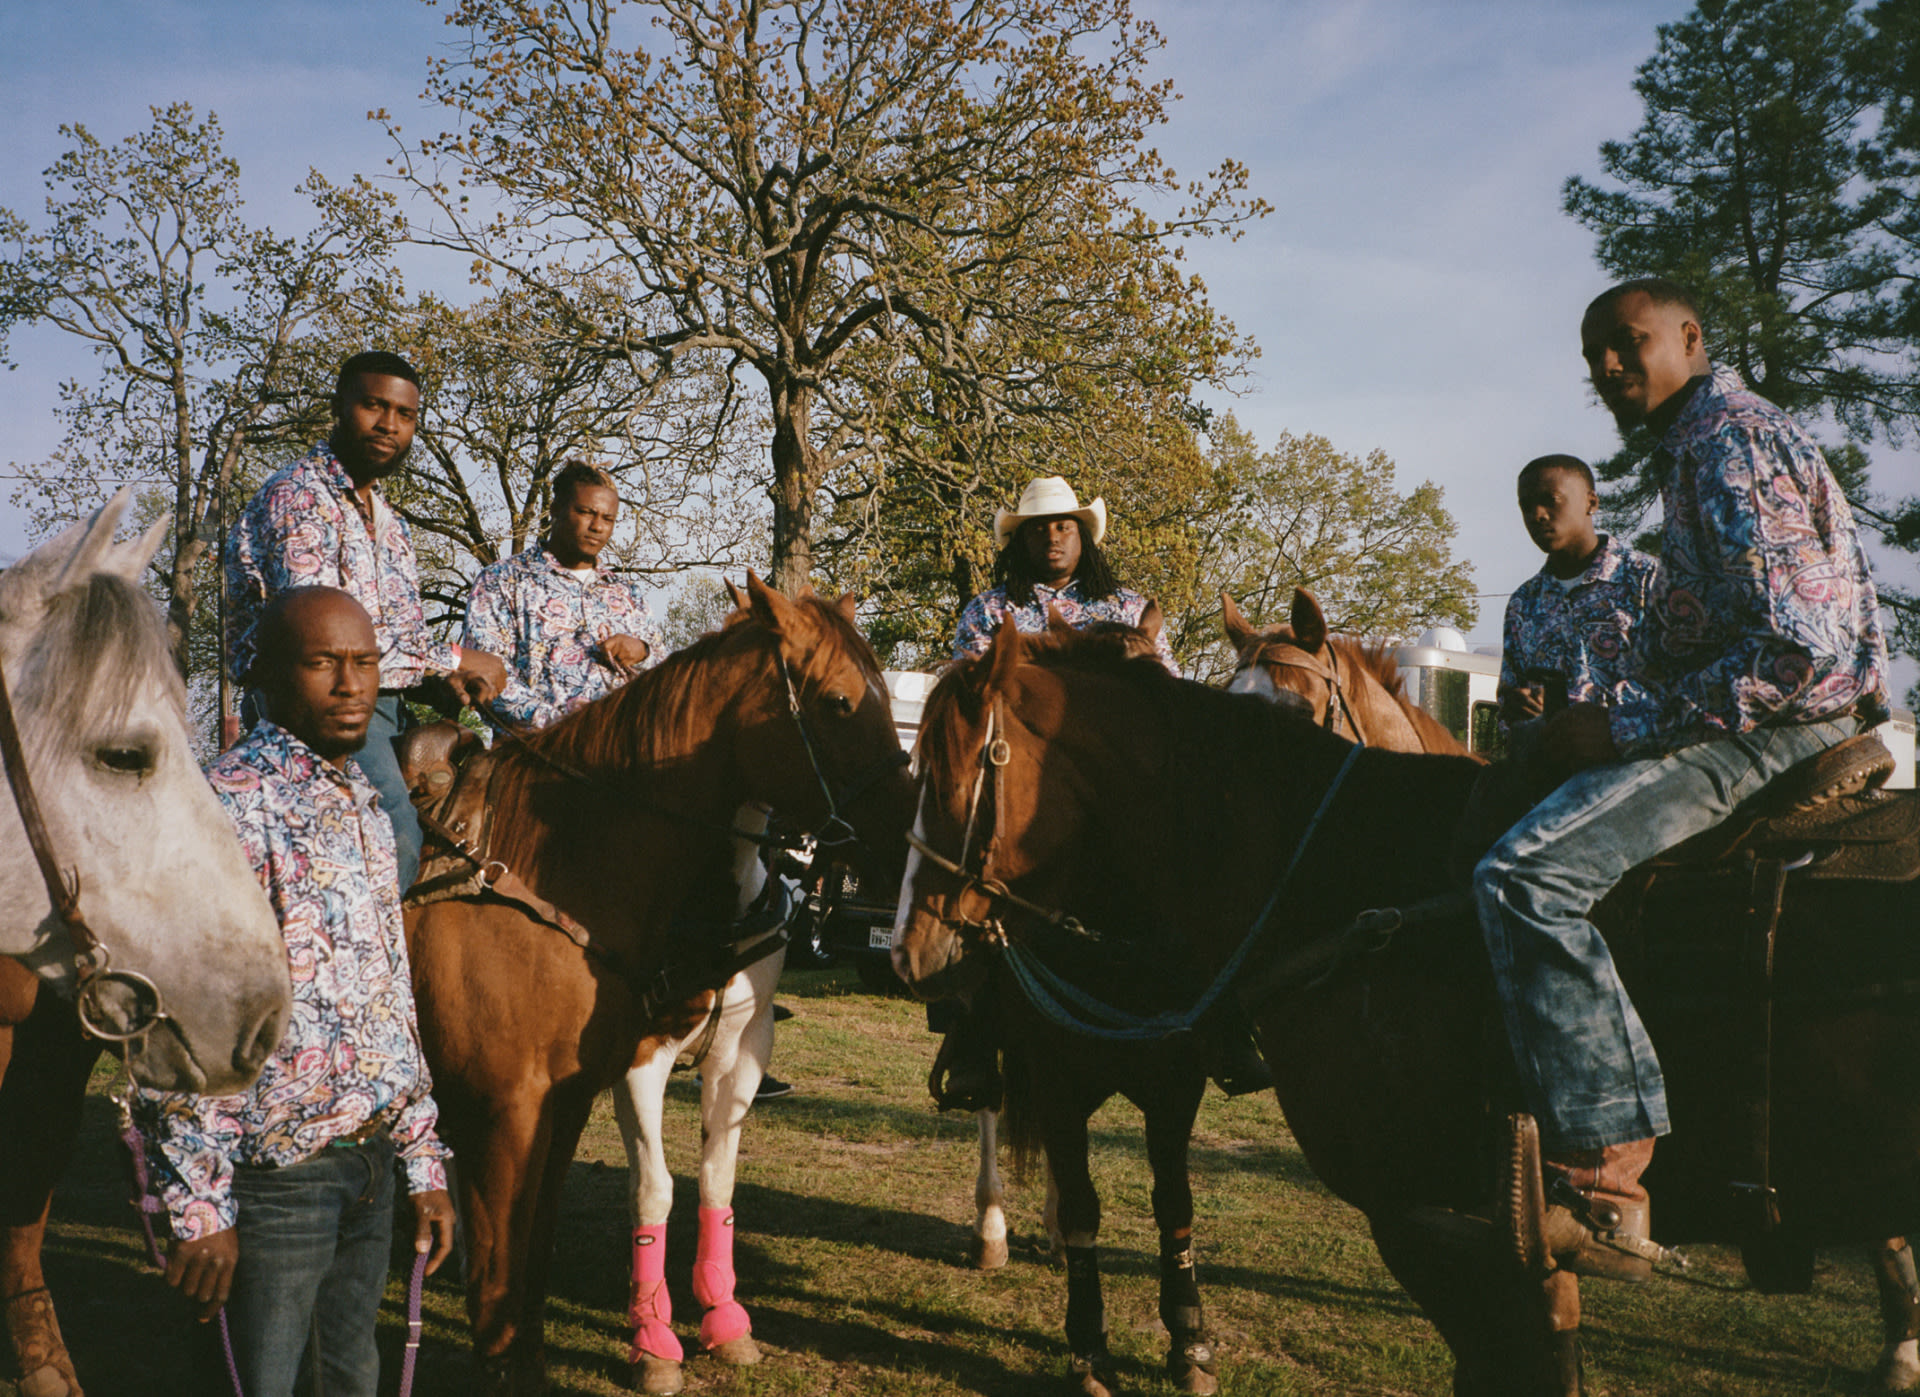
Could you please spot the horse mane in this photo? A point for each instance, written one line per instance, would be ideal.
(97, 647)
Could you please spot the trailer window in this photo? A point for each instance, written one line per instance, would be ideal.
(1488, 738)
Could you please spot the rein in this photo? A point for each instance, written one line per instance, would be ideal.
(92, 964)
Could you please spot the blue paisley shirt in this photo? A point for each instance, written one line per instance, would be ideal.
(323, 850)
(982, 616)
(1764, 609)
(302, 530)
(1583, 632)
(547, 624)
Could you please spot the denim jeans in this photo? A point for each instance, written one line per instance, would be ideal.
(382, 767)
(314, 1239)
(1586, 1066)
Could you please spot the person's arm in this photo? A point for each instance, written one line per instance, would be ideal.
(287, 537)
(491, 629)
(975, 632)
(1518, 699)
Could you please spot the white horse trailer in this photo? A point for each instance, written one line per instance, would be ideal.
(1457, 685)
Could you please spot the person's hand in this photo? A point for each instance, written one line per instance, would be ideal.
(433, 1226)
(1519, 702)
(624, 653)
(480, 676)
(202, 1270)
(1577, 737)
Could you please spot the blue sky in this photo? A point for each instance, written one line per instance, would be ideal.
(1416, 289)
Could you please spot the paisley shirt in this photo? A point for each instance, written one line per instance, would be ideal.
(547, 623)
(302, 530)
(1584, 632)
(983, 615)
(1764, 609)
(323, 850)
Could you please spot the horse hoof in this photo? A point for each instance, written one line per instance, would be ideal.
(1899, 1368)
(661, 1376)
(1090, 1379)
(989, 1254)
(1192, 1368)
(48, 1382)
(742, 1352)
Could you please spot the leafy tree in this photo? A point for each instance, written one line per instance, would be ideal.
(853, 201)
(205, 327)
(1774, 174)
(1307, 515)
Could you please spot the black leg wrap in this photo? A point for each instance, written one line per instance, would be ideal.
(1179, 1288)
(1086, 1311)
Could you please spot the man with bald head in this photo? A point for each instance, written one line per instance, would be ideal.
(1761, 647)
(282, 1197)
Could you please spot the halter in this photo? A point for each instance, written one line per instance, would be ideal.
(1330, 673)
(92, 964)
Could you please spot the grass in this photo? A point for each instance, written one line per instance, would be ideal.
(854, 1202)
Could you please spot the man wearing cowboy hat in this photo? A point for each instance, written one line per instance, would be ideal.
(1050, 557)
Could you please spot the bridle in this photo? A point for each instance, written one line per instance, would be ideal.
(92, 963)
(1329, 673)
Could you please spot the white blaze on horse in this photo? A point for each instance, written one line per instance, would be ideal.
(198, 985)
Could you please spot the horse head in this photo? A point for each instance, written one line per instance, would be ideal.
(130, 822)
(1007, 787)
(818, 731)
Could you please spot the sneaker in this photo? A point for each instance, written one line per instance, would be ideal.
(772, 1089)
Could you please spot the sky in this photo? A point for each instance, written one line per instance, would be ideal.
(1416, 288)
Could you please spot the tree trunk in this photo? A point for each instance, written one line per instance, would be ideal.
(793, 484)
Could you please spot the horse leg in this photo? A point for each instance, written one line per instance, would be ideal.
(500, 1180)
(637, 1104)
(1169, 1129)
(568, 1117)
(729, 1079)
(1899, 1367)
(989, 1199)
(45, 1061)
(1066, 1137)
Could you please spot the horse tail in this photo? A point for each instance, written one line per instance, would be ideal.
(1019, 1120)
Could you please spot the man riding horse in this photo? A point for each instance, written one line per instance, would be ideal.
(1761, 649)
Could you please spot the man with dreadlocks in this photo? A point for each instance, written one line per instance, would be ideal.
(1050, 558)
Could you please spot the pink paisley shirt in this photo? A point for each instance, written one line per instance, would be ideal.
(547, 624)
(323, 850)
(302, 530)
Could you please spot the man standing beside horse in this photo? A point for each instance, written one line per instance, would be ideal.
(281, 1197)
(1761, 647)
(320, 522)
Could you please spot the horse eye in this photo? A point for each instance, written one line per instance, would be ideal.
(840, 704)
(134, 761)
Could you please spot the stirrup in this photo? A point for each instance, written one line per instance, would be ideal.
(957, 1084)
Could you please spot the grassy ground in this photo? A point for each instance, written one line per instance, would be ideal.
(853, 1206)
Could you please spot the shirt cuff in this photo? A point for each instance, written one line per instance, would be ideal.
(201, 1217)
(426, 1173)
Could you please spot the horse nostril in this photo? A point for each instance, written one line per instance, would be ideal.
(255, 1049)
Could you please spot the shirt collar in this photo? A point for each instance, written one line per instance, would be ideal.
(1706, 397)
(336, 474)
(290, 757)
(1071, 592)
(555, 565)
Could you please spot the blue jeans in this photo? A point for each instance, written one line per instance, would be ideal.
(1586, 1066)
(382, 767)
(314, 1239)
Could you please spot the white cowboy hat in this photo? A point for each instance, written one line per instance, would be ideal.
(1044, 499)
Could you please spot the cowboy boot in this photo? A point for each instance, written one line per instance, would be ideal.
(1597, 1221)
(966, 1070)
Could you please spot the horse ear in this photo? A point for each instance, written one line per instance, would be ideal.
(1151, 621)
(769, 608)
(1309, 626)
(848, 605)
(804, 590)
(1239, 632)
(1004, 656)
(131, 560)
(737, 593)
(1056, 623)
(92, 541)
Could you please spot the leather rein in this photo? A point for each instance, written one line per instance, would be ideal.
(1329, 673)
(92, 963)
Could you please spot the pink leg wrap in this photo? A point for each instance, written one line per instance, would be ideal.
(724, 1320)
(652, 1308)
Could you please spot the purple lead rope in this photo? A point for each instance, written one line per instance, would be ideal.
(147, 1205)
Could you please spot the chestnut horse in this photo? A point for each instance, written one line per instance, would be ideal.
(622, 816)
(1234, 810)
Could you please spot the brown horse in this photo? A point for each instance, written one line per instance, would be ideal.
(1232, 808)
(1349, 687)
(622, 816)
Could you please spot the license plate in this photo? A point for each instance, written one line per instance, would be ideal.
(879, 938)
